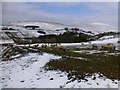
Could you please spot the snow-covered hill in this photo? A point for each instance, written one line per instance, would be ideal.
(45, 28)
(106, 41)
(96, 27)
(42, 24)
(101, 41)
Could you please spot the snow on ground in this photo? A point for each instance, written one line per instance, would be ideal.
(85, 44)
(49, 44)
(6, 41)
(106, 41)
(96, 27)
(41, 24)
(28, 33)
(106, 37)
(98, 83)
(28, 72)
(90, 51)
(70, 44)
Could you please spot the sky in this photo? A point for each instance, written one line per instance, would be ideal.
(62, 12)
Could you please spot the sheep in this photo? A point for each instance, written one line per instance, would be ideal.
(59, 44)
(63, 48)
(94, 46)
(43, 45)
(54, 45)
(82, 44)
(36, 45)
(89, 43)
(108, 46)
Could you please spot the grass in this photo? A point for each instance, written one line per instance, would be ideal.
(70, 53)
(108, 65)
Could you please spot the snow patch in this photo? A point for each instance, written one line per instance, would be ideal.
(28, 72)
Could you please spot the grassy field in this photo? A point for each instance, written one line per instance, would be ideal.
(77, 65)
(107, 65)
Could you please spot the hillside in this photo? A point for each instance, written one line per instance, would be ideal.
(56, 32)
(96, 27)
(41, 24)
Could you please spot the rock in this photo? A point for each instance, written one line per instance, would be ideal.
(79, 81)
(93, 78)
(3, 78)
(22, 68)
(22, 81)
(51, 78)
(38, 78)
(88, 83)
(86, 80)
(61, 75)
(97, 83)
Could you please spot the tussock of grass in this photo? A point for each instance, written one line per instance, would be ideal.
(79, 68)
(108, 65)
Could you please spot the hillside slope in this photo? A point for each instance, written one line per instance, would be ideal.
(96, 27)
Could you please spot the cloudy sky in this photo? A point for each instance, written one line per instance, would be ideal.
(63, 12)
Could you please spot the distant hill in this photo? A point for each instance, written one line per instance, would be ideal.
(96, 27)
(43, 31)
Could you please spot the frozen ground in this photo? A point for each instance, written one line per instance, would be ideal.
(6, 42)
(90, 51)
(111, 40)
(28, 72)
